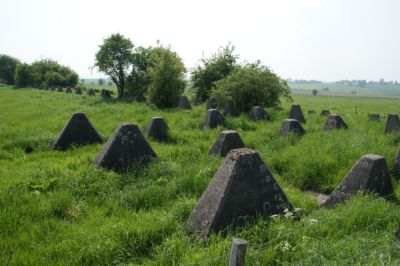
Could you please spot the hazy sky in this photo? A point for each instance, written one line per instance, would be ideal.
(300, 39)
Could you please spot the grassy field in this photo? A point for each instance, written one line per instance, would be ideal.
(56, 208)
(342, 90)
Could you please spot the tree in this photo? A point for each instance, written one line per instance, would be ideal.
(250, 85)
(314, 92)
(8, 66)
(23, 75)
(211, 70)
(101, 82)
(50, 73)
(166, 77)
(138, 79)
(114, 59)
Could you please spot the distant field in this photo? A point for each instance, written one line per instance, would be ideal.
(340, 90)
(56, 208)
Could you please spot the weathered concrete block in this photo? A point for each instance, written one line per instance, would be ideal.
(325, 113)
(242, 189)
(291, 126)
(68, 90)
(184, 103)
(226, 141)
(91, 92)
(297, 113)
(126, 148)
(105, 94)
(373, 117)
(212, 103)
(78, 91)
(157, 129)
(334, 122)
(311, 112)
(77, 131)
(258, 113)
(369, 174)
(59, 89)
(392, 123)
(213, 119)
(230, 109)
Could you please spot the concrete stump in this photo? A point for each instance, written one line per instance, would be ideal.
(296, 113)
(226, 141)
(325, 113)
(212, 103)
(369, 174)
(230, 109)
(213, 119)
(68, 90)
(125, 149)
(242, 189)
(59, 89)
(291, 126)
(77, 131)
(184, 102)
(258, 113)
(392, 123)
(157, 129)
(334, 122)
(78, 91)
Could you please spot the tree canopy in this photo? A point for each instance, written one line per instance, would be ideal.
(8, 66)
(114, 58)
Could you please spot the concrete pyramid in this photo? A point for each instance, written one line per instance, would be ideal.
(291, 126)
(396, 166)
(230, 109)
(296, 113)
(258, 113)
(392, 123)
(59, 89)
(91, 92)
(242, 189)
(105, 94)
(213, 119)
(68, 90)
(369, 174)
(334, 122)
(311, 112)
(126, 148)
(211, 103)
(325, 112)
(157, 129)
(226, 141)
(79, 131)
(373, 117)
(184, 102)
(78, 90)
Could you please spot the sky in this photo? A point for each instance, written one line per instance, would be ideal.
(325, 40)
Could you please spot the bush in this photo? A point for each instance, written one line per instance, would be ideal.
(23, 75)
(212, 69)
(250, 85)
(8, 66)
(166, 81)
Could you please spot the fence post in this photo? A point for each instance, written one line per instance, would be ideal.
(238, 252)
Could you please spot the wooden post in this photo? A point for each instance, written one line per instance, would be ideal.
(238, 252)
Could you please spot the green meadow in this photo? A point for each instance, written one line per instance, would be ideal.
(57, 208)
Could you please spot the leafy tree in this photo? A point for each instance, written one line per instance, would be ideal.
(211, 70)
(114, 59)
(50, 73)
(166, 77)
(8, 66)
(23, 75)
(314, 92)
(100, 82)
(250, 85)
(138, 79)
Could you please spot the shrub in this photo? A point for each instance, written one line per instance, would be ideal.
(250, 85)
(23, 75)
(211, 70)
(8, 66)
(166, 81)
